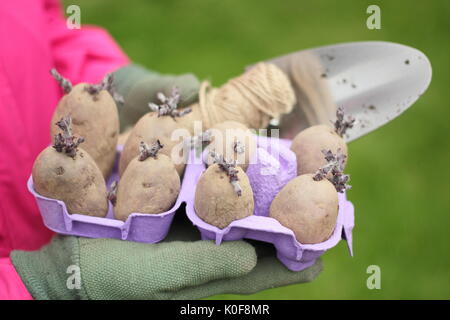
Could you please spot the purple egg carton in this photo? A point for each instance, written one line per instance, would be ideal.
(148, 228)
(272, 167)
(267, 176)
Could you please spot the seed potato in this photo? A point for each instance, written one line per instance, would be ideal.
(308, 207)
(149, 186)
(216, 201)
(149, 129)
(94, 117)
(234, 141)
(76, 181)
(308, 146)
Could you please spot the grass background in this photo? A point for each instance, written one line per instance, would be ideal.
(400, 174)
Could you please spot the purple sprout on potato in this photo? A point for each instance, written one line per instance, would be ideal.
(223, 193)
(308, 204)
(66, 142)
(334, 170)
(150, 184)
(341, 125)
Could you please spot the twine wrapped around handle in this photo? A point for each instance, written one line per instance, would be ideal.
(261, 93)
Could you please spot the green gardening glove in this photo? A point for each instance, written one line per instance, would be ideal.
(181, 267)
(138, 86)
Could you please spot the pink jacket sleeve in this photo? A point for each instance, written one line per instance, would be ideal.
(33, 39)
(11, 286)
(84, 55)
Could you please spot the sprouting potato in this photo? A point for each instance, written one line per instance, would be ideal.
(151, 128)
(160, 125)
(234, 141)
(68, 173)
(94, 117)
(150, 184)
(223, 194)
(309, 208)
(308, 204)
(309, 144)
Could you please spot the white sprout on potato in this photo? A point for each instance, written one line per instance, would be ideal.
(168, 106)
(65, 84)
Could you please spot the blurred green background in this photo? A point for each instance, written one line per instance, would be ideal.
(400, 173)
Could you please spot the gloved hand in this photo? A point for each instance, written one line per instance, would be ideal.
(138, 86)
(181, 267)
